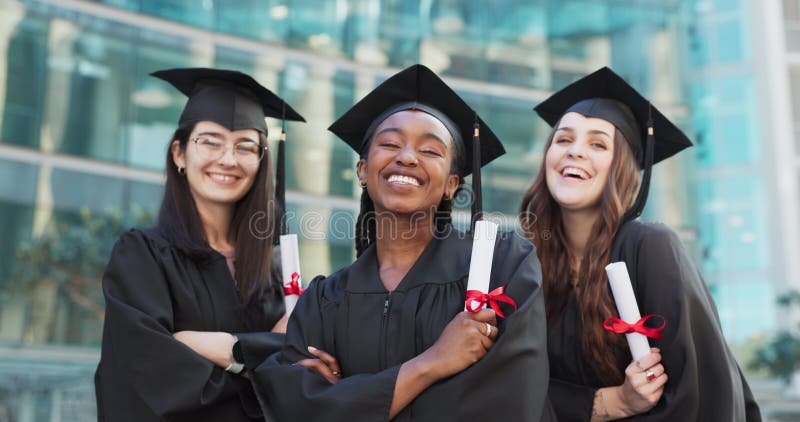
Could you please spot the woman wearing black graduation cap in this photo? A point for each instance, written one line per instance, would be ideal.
(580, 212)
(393, 319)
(190, 302)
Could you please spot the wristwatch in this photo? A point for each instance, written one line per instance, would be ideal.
(237, 359)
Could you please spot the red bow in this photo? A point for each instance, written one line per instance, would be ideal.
(476, 300)
(293, 288)
(619, 326)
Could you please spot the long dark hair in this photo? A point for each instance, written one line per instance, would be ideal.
(540, 219)
(179, 222)
(366, 222)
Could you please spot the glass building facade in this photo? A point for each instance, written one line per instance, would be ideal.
(730, 185)
(84, 131)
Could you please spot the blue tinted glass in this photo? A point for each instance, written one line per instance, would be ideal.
(726, 5)
(17, 197)
(734, 146)
(730, 42)
(25, 88)
(733, 89)
(200, 13)
(742, 308)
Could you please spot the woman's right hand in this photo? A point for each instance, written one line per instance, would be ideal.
(638, 395)
(462, 343)
(280, 326)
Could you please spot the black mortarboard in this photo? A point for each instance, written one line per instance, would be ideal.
(419, 88)
(236, 101)
(226, 97)
(604, 94)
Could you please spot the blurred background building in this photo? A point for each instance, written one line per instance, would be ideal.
(84, 130)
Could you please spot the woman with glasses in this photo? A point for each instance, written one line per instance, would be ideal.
(190, 302)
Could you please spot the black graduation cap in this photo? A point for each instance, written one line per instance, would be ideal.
(236, 101)
(605, 95)
(227, 97)
(419, 88)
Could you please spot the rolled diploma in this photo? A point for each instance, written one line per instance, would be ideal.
(480, 267)
(627, 307)
(290, 263)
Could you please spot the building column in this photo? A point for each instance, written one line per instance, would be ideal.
(61, 65)
(311, 164)
(775, 130)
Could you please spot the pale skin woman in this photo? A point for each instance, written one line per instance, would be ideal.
(216, 186)
(407, 172)
(578, 164)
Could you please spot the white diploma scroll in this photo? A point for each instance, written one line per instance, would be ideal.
(290, 268)
(627, 307)
(480, 267)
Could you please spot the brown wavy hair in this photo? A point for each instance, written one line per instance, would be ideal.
(540, 219)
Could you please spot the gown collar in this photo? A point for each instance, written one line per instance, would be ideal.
(444, 260)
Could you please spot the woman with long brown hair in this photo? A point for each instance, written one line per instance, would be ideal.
(581, 213)
(190, 302)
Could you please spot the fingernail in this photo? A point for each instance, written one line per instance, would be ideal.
(312, 349)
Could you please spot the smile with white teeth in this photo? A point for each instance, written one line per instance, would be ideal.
(574, 172)
(222, 177)
(403, 180)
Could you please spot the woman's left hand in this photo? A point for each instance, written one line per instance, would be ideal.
(325, 364)
(215, 346)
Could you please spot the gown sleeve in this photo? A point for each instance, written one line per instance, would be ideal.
(291, 392)
(139, 342)
(573, 401)
(705, 382)
(518, 360)
(257, 346)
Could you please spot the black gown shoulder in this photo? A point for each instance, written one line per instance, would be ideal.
(153, 290)
(705, 382)
(372, 333)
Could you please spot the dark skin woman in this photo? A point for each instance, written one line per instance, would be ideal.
(394, 321)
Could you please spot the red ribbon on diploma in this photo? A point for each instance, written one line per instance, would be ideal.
(619, 326)
(476, 299)
(293, 288)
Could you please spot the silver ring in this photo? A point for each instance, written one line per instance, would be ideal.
(650, 375)
(488, 329)
(336, 373)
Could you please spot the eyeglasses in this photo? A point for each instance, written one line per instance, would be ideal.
(247, 153)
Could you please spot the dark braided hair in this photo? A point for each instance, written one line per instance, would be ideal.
(366, 224)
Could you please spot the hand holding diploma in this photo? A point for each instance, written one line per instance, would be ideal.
(630, 322)
(480, 270)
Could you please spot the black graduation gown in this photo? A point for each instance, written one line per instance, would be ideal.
(372, 332)
(705, 382)
(153, 290)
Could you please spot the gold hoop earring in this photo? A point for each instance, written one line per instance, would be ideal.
(181, 171)
(363, 184)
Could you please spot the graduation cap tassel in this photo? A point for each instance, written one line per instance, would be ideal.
(649, 147)
(477, 196)
(280, 185)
